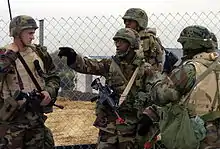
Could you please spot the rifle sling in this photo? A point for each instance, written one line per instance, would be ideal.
(29, 72)
(130, 83)
(128, 87)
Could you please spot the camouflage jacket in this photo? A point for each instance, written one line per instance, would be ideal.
(173, 88)
(51, 79)
(132, 107)
(152, 49)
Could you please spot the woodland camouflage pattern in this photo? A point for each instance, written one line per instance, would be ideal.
(20, 23)
(112, 134)
(138, 15)
(196, 41)
(150, 44)
(27, 129)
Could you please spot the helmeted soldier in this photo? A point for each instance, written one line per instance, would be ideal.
(117, 71)
(137, 19)
(193, 86)
(22, 113)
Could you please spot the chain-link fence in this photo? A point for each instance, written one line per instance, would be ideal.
(92, 36)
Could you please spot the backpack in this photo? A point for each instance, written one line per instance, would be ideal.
(178, 130)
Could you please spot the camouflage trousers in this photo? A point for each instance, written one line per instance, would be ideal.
(114, 141)
(212, 140)
(25, 136)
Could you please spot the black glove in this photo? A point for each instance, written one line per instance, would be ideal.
(69, 53)
(145, 124)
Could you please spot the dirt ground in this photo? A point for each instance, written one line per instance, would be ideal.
(73, 124)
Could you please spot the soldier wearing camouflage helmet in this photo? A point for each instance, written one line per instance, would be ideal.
(117, 71)
(150, 48)
(137, 19)
(18, 24)
(194, 86)
(22, 119)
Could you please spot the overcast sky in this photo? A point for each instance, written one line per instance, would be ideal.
(67, 8)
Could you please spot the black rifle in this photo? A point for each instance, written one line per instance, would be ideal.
(42, 74)
(105, 97)
(33, 100)
(170, 61)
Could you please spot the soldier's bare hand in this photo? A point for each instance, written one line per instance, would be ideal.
(46, 100)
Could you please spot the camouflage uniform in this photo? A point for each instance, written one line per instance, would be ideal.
(199, 51)
(150, 44)
(150, 48)
(25, 129)
(112, 134)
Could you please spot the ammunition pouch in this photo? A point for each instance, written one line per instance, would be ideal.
(8, 109)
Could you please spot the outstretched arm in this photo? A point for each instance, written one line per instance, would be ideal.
(84, 64)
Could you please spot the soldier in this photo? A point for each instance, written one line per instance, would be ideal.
(192, 87)
(117, 72)
(137, 19)
(153, 50)
(22, 115)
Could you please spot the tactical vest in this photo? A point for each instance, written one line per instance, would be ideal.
(11, 84)
(151, 46)
(202, 99)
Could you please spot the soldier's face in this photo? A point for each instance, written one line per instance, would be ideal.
(27, 36)
(121, 46)
(131, 24)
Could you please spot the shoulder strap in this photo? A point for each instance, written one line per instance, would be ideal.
(29, 72)
(201, 77)
(130, 83)
(128, 87)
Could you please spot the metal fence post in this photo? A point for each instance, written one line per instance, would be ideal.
(88, 83)
(41, 32)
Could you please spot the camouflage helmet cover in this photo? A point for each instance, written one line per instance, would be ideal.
(196, 37)
(215, 41)
(129, 35)
(20, 23)
(138, 15)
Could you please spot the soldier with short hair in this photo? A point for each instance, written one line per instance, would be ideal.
(191, 93)
(118, 72)
(22, 108)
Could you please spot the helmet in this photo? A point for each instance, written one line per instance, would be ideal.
(20, 23)
(214, 41)
(196, 37)
(138, 15)
(130, 35)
